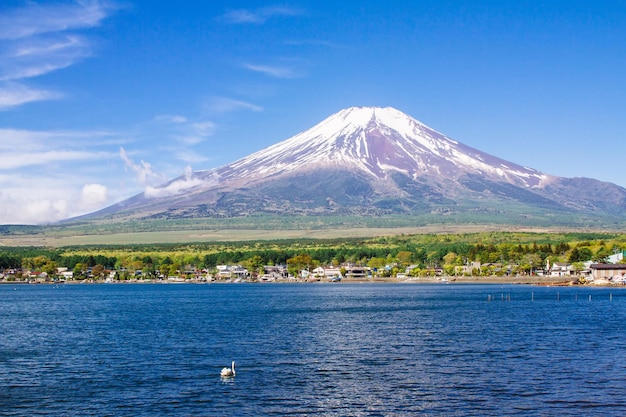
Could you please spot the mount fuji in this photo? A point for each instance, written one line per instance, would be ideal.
(371, 161)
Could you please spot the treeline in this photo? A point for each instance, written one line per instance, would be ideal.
(531, 250)
(31, 258)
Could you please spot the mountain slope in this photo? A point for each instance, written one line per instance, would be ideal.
(370, 161)
(376, 141)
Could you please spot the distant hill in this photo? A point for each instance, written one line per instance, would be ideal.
(375, 162)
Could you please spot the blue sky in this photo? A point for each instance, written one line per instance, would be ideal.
(101, 99)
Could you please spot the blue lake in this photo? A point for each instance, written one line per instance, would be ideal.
(312, 349)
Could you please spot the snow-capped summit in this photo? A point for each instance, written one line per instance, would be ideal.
(377, 141)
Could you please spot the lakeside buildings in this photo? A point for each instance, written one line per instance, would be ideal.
(600, 273)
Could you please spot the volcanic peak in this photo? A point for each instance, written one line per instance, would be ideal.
(370, 161)
(377, 141)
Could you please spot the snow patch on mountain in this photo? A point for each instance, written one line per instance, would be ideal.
(377, 141)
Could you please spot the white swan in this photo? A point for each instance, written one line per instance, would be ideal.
(228, 371)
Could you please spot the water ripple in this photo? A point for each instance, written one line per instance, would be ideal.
(323, 350)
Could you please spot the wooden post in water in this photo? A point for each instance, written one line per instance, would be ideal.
(589, 297)
(611, 297)
(558, 296)
(532, 296)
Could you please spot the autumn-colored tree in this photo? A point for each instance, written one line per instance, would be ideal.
(298, 263)
(97, 271)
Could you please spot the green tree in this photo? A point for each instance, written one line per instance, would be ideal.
(254, 264)
(79, 271)
(377, 263)
(580, 255)
(602, 254)
(404, 257)
(530, 262)
(50, 268)
(299, 263)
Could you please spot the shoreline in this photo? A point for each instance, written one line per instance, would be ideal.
(492, 280)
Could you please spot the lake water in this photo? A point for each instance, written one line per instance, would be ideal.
(310, 349)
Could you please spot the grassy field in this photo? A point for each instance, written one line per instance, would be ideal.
(274, 227)
(57, 239)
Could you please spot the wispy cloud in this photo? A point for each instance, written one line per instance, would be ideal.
(198, 132)
(27, 148)
(22, 140)
(272, 71)
(227, 105)
(183, 130)
(184, 135)
(170, 118)
(145, 175)
(190, 157)
(314, 42)
(20, 160)
(186, 182)
(260, 15)
(15, 94)
(37, 39)
(34, 19)
(34, 57)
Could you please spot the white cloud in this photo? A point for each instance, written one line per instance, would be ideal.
(183, 130)
(93, 197)
(178, 186)
(143, 170)
(34, 19)
(32, 211)
(170, 118)
(190, 157)
(48, 206)
(14, 94)
(44, 47)
(37, 140)
(43, 206)
(260, 15)
(34, 57)
(227, 105)
(181, 136)
(194, 133)
(272, 71)
(35, 40)
(36, 196)
(29, 148)
(22, 160)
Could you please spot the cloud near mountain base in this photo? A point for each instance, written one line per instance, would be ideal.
(178, 186)
(48, 209)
